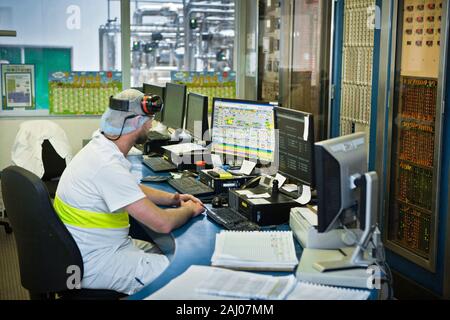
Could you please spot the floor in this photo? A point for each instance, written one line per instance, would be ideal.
(10, 287)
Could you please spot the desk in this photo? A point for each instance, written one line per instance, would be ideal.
(191, 244)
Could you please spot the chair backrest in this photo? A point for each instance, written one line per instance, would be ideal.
(54, 165)
(45, 247)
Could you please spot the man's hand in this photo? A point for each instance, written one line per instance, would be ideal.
(195, 207)
(178, 198)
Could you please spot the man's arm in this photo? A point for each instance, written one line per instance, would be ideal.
(159, 197)
(163, 198)
(160, 220)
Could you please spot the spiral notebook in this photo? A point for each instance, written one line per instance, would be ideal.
(312, 291)
(255, 250)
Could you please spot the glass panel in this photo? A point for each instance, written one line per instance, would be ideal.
(412, 211)
(269, 53)
(309, 72)
(180, 35)
(56, 40)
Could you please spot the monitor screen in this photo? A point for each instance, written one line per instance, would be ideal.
(336, 162)
(244, 129)
(156, 90)
(197, 115)
(173, 114)
(295, 145)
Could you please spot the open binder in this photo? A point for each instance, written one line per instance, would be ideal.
(255, 250)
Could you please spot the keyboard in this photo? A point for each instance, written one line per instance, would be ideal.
(155, 135)
(191, 185)
(159, 164)
(155, 178)
(231, 220)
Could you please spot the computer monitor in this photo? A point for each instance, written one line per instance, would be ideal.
(156, 90)
(348, 193)
(243, 129)
(173, 114)
(197, 115)
(295, 145)
(338, 162)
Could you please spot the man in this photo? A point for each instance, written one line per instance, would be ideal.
(97, 192)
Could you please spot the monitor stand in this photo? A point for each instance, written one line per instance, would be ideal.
(371, 235)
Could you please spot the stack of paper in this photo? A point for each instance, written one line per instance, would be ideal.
(311, 291)
(183, 148)
(209, 283)
(255, 250)
(246, 285)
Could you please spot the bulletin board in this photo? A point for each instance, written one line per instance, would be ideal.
(82, 93)
(18, 89)
(45, 60)
(211, 84)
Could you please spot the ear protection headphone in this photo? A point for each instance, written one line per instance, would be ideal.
(150, 104)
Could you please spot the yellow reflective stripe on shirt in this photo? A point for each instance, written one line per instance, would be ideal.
(88, 219)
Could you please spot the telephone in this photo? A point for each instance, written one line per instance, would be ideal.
(252, 183)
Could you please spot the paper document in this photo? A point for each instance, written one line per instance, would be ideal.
(281, 179)
(306, 195)
(209, 283)
(184, 286)
(310, 291)
(216, 160)
(247, 167)
(290, 187)
(244, 192)
(246, 285)
(183, 148)
(134, 152)
(306, 128)
(258, 196)
(255, 250)
(259, 201)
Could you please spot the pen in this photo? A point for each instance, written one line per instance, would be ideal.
(140, 282)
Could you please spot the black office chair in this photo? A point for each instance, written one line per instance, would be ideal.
(45, 247)
(54, 166)
(7, 226)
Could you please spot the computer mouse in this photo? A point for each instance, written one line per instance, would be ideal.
(217, 202)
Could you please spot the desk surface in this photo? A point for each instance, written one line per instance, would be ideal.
(191, 244)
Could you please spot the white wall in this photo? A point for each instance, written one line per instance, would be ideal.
(48, 23)
(44, 23)
(76, 129)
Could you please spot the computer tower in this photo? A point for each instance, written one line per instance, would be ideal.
(273, 210)
(221, 186)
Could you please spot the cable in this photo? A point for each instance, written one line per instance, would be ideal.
(385, 268)
(121, 130)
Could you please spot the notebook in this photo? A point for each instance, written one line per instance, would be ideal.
(246, 285)
(255, 250)
(311, 291)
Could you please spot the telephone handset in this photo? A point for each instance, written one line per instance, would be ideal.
(252, 183)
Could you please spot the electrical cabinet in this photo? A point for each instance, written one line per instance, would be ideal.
(415, 150)
(414, 155)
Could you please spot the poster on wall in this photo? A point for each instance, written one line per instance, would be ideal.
(208, 83)
(18, 87)
(82, 92)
